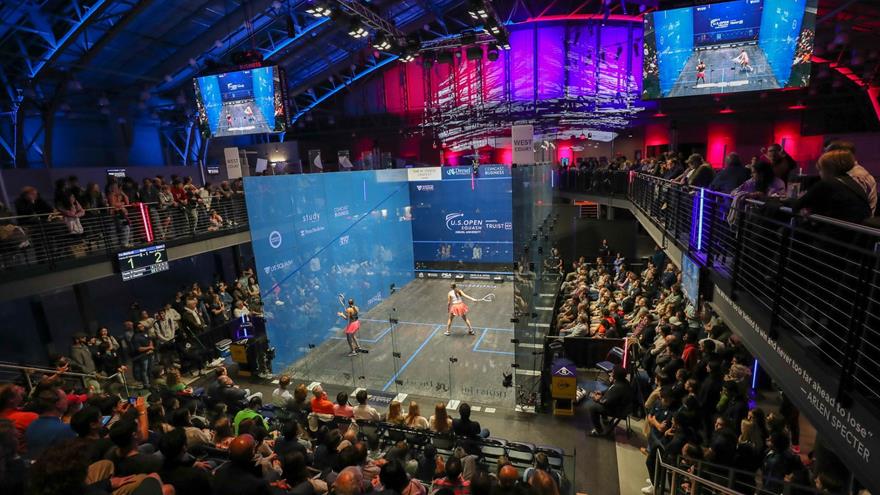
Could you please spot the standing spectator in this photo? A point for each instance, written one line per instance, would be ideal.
(142, 355)
(731, 176)
(837, 194)
(164, 208)
(698, 173)
(858, 172)
(783, 164)
(191, 319)
(118, 208)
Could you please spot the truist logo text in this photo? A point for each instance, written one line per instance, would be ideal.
(455, 172)
(425, 187)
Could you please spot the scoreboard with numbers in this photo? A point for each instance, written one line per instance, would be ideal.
(141, 262)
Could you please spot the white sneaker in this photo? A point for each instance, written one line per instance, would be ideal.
(648, 481)
(648, 490)
(447, 333)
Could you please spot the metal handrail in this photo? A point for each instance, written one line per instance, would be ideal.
(676, 471)
(27, 370)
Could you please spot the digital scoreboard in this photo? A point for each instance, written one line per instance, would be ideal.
(141, 262)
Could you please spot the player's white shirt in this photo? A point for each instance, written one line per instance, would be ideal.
(455, 297)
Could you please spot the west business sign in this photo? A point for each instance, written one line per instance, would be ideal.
(523, 138)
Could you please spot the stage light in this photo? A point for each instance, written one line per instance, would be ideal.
(477, 10)
(474, 53)
(357, 30)
(319, 9)
(381, 42)
(445, 57)
(492, 53)
(505, 45)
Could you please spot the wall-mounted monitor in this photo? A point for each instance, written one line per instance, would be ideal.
(728, 47)
(250, 101)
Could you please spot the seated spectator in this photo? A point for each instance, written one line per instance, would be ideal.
(181, 470)
(394, 479)
(362, 410)
(414, 418)
(47, 429)
(395, 414)
(181, 419)
(342, 409)
(240, 476)
(126, 457)
(464, 427)
(224, 434)
(281, 395)
(542, 463)
(453, 479)
(543, 483)
(320, 403)
(250, 412)
(11, 400)
(349, 482)
(613, 402)
(62, 470)
(90, 433)
(440, 422)
(297, 480)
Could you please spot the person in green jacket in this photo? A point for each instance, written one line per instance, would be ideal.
(250, 412)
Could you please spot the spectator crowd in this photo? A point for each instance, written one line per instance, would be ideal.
(687, 375)
(223, 439)
(78, 220)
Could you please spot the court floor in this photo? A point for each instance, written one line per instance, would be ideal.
(413, 355)
(723, 74)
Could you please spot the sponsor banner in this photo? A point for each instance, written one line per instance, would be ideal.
(494, 171)
(424, 174)
(380, 400)
(523, 137)
(457, 172)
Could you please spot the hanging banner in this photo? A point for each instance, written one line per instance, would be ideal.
(315, 161)
(233, 163)
(344, 160)
(523, 137)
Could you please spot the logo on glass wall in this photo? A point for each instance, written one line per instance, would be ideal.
(275, 239)
(425, 187)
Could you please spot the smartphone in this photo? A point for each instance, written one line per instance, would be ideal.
(132, 400)
(105, 420)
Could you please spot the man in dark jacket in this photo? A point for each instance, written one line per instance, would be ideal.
(613, 402)
(240, 476)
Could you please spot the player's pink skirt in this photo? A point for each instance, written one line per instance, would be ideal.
(701, 75)
(353, 327)
(459, 309)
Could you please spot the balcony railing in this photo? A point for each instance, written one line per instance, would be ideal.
(50, 241)
(818, 277)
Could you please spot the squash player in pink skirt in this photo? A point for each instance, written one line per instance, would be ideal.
(457, 307)
(351, 315)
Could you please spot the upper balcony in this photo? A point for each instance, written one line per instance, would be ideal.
(43, 252)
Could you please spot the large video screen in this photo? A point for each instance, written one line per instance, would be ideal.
(316, 236)
(242, 102)
(728, 47)
(462, 221)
